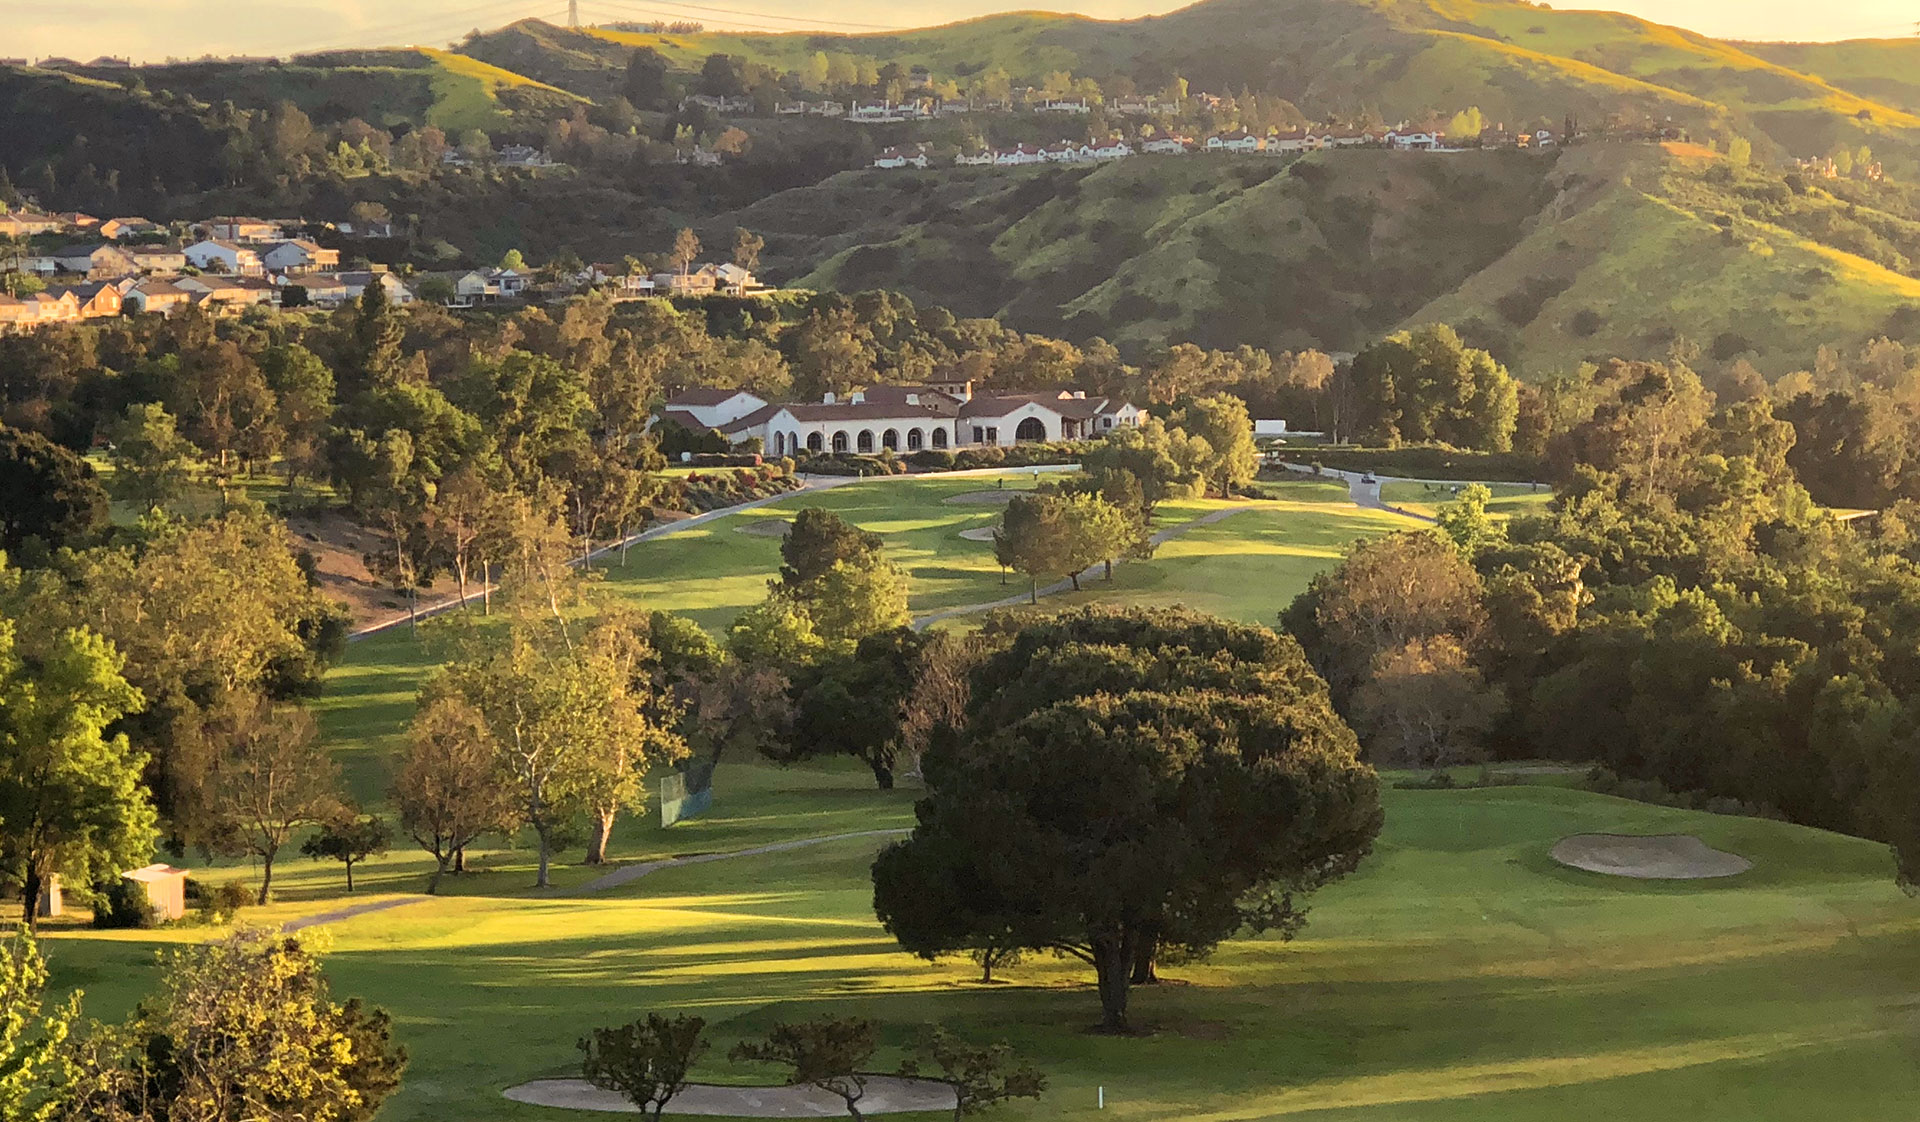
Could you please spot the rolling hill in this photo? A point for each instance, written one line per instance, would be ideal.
(1401, 58)
(1548, 260)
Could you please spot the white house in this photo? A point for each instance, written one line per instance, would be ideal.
(915, 157)
(973, 159)
(217, 255)
(713, 408)
(244, 230)
(1018, 156)
(1238, 141)
(1004, 419)
(1110, 149)
(1060, 153)
(1059, 106)
(904, 421)
(485, 285)
(298, 256)
(1168, 146)
(1414, 141)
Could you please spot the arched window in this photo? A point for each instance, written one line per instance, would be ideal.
(779, 443)
(1031, 429)
(890, 439)
(840, 441)
(915, 441)
(939, 438)
(813, 442)
(865, 441)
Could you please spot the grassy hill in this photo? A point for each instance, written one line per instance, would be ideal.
(1601, 250)
(1516, 61)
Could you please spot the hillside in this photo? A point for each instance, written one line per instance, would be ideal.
(1599, 251)
(1401, 58)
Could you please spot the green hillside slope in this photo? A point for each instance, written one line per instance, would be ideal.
(1886, 70)
(1634, 256)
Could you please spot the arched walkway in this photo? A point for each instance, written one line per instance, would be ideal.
(840, 441)
(915, 441)
(939, 438)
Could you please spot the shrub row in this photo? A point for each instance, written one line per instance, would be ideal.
(1429, 461)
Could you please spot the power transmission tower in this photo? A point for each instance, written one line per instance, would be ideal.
(573, 14)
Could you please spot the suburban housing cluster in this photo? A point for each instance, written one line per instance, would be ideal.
(1237, 141)
(122, 266)
(898, 418)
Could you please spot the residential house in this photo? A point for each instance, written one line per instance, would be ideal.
(298, 256)
(521, 156)
(357, 282)
(1052, 105)
(155, 259)
(13, 313)
(1142, 106)
(1018, 156)
(1005, 419)
(735, 281)
(694, 282)
(218, 292)
(1168, 146)
(94, 300)
(1414, 141)
(153, 295)
(877, 113)
(904, 418)
(119, 229)
(27, 223)
(973, 159)
(326, 290)
(1544, 139)
(1060, 152)
(915, 156)
(1292, 140)
(718, 104)
(94, 260)
(616, 278)
(74, 221)
(49, 307)
(484, 286)
(219, 255)
(244, 230)
(1112, 148)
(1240, 140)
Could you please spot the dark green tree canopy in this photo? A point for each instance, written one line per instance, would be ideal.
(46, 492)
(818, 539)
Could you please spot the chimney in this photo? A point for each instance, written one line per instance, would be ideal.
(827, 398)
(857, 397)
(913, 399)
(966, 390)
(1080, 395)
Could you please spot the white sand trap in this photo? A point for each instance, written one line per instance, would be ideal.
(984, 498)
(766, 528)
(979, 533)
(885, 1095)
(1652, 857)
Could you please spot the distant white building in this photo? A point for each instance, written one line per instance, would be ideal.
(914, 157)
(218, 255)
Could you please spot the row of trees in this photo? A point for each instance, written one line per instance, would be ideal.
(1683, 613)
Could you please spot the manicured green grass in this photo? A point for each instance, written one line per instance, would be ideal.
(1461, 974)
(1509, 499)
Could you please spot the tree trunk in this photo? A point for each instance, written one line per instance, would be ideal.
(460, 573)
(1113, 966)
(1144, 955)
(882, 774)
(546, 857)
(439, 870)
(1033, 591)
(602, 833)
(460, 859)
(486, 588)
(1109, 568)
(349, 865)
(413, 614)
(1075, 578)
(266, 878)
(30, 891)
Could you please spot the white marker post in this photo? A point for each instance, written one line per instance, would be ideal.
(1103, 1098)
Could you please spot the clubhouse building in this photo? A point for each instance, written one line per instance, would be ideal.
(901, 419)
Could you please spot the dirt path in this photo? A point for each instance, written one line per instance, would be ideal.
(885, 1094)
(1365, 494)
(627, 874)
(1058, 587)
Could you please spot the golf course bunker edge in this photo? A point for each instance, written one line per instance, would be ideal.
(1648, 856)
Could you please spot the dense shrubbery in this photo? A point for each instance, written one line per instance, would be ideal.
(1427, 461)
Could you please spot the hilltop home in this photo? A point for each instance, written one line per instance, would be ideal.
(92, 301)
(218, 292)
(298, 256)
(218, 255)
(1168, 146)
(711, 408)
(118, 229)
(1053, 106)
(27, 223)
(915, 156)
(1239, 140)
(244, 230)
(150, 295)
(152, 259)
(94, 260)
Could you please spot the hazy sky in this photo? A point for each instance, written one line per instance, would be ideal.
(156, 29)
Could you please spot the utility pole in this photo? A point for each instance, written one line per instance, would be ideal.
(573, 14)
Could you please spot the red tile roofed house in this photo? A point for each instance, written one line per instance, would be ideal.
(900, 422)
(1003, 419)
(1240, 140)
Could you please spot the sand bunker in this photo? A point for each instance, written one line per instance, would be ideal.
(984, 498)
(979, 534)
(1654, 857)
(766, 528)
(885, 1095)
